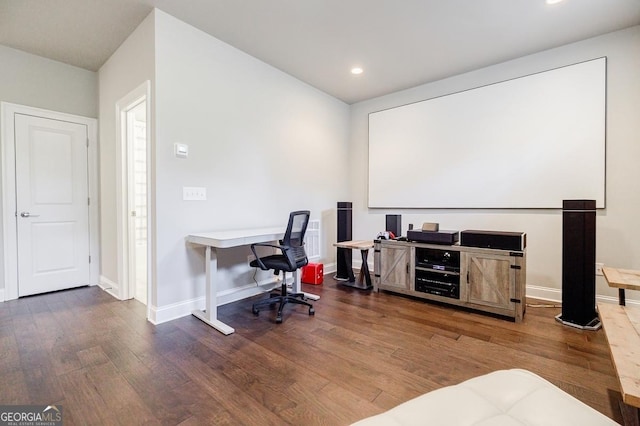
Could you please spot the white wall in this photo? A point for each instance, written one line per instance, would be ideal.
(618, 234)
(31, 80)
(130, 66)
(261, 142)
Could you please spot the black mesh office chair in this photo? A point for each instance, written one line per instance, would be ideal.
(292, 257)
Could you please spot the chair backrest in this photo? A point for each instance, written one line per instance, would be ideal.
(294, 236)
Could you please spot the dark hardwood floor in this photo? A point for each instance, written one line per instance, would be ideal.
(361, 353)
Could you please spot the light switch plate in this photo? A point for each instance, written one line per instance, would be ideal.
(194, 193)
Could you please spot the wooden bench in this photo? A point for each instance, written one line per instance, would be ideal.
(622, 327)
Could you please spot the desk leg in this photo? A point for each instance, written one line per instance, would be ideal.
(297, 287)
(621, 296)
(364, 269)
(352, 277)
(210, 315)
(362, 275)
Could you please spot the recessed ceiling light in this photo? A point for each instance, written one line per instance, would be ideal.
(553, 1)
(356, 70)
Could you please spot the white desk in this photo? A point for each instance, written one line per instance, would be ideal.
(212, 241)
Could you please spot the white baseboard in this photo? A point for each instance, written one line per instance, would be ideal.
(329, 268)
(158, 315)
(173, 311)
(544, 293)
(109, 286)
(555, 295)
(1, 294)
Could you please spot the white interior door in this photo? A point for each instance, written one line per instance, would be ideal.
(52, 211)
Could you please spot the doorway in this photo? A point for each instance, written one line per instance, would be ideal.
(133, 198)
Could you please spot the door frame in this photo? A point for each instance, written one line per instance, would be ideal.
(126, 288)
(8, 184)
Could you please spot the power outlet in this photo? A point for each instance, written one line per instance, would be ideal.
(599, 268)
(192, 193)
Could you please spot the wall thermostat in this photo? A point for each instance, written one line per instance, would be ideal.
(181, 150)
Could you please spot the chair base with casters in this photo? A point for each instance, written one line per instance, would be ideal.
(282, 299)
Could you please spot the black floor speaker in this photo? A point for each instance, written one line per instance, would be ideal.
(578, 264)
(394, 224)
(343, 256)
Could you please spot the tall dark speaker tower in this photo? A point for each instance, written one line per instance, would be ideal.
(578, 265)
(344, 234)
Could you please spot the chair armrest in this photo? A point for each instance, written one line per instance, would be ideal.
(265, 245)
(279, 247)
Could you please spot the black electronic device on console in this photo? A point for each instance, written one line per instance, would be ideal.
(438, 272)
(433, 237)
(516, 241)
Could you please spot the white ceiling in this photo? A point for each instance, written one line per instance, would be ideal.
(399, 43)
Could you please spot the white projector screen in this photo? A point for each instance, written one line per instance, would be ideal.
(530, 142)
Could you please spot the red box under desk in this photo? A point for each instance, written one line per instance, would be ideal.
(313, 273)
